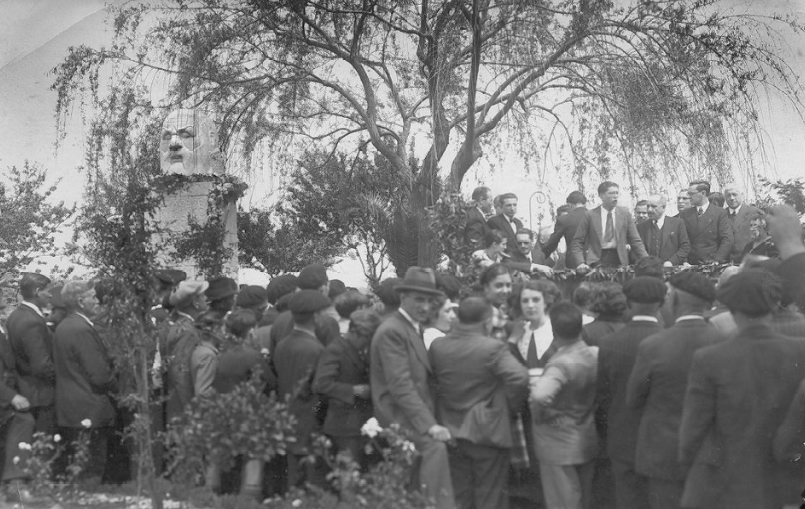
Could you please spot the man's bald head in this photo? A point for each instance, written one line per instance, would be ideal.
(733, 196)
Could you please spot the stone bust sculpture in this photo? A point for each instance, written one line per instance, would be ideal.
(189, 144)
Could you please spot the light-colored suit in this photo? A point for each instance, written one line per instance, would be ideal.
(586, 244)
(400, 377)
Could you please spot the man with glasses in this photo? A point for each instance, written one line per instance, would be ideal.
(709, 228)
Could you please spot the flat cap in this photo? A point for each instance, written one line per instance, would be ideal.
(251, 295)
(186, 290)
(645, 290)
(449, 284)
(753, 292)
(308, 301)
(312, 277)
(279, 286)
(694, 283)
(170, 276)
(220, 288)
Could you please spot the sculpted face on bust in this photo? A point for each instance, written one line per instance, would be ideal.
(188, 141)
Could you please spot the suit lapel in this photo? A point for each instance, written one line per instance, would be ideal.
(665, 233)
(596, 220)
(620, 217)
(416, 341)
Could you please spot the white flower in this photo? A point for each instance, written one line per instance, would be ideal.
(408, 446)
(371, 428)
(296, 503)
(57, 438)
(24, 446)
(86, 423)
(16, 459)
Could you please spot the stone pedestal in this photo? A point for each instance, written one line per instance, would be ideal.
(193, 200)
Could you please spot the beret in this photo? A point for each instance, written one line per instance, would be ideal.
(284, 302)
(55, 297)
(337, 287)
(645, 290)
(279, 286)
(385, 292)
(251, 295)
(34, 280)
(308, 301)
(312, 277)
(170, 276)
(220, 288)
(753, 292)
(186, 290)
(695, 284)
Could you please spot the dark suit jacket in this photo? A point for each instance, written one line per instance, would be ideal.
(475, 376)
(236, 365)
(616, 357)
(674, 243)
(737, 397)
(343, 365)
(501, 223)
(600, 327)
(792, 272)
(565, 229)
(295, 360)
(740, 231)
(32, 344)
(84, 375)
(657, 388)
(476, 228)
(399, 373)
(789, 323)
(8, 379)
(586, 244)
(326, 331)
(710, 235)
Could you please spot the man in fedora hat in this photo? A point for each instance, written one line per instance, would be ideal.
(32, 346)
(399, 379)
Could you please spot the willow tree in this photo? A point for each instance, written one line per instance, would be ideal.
(634, 86)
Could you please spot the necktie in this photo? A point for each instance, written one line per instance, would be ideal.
(733, 213)
(699, 211)
(531, 360)
(654, 247)
(609, 233)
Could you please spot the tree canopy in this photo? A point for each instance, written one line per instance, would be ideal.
(651, 90)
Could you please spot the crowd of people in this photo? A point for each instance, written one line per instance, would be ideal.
(662, 392)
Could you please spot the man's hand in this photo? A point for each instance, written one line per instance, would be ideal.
(439, 433)
(20, 403)
(361, 391)
(583, 267)
(667, 264)
(542, 269)
(785, 230)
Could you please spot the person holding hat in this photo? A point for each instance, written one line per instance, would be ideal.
(313, 277)
(736, 399)
(474, 377)
(295, 360)
(400, 371)
(658, 383)
(616, 357)
(32, 345)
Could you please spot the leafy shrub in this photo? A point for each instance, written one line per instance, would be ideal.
(46, 451)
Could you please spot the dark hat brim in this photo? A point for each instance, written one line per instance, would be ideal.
(402, 287)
